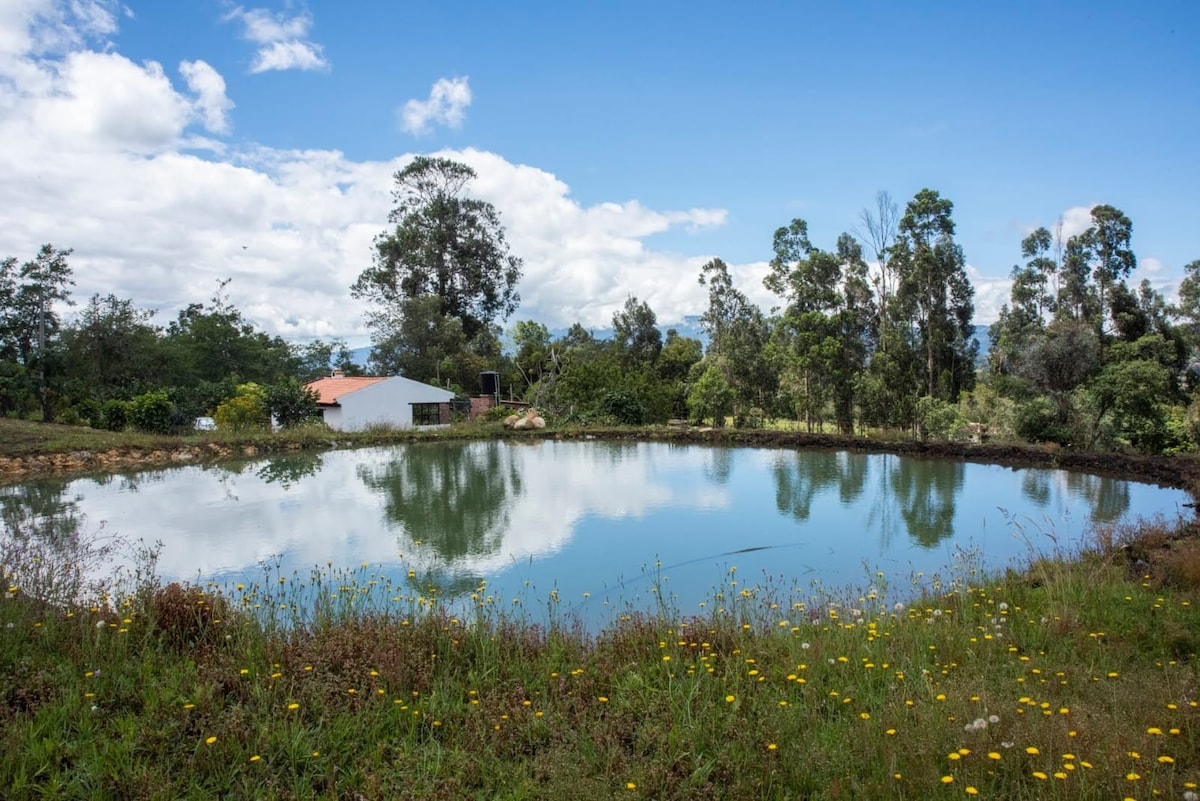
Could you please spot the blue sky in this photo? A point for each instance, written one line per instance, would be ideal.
(624, 143)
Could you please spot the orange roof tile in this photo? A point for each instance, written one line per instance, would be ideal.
(331, 388)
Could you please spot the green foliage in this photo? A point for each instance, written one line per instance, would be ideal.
(446, 245)
(622, 407)
(1042, 420)
(245, 411)
(291, 403)
(114, 415)
(940, 420)
(152, 412)
(711, 397)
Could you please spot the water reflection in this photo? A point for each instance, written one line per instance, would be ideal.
(456, 498)
(580, 516)
(1106, 499)
(41, 508)
(802, 477)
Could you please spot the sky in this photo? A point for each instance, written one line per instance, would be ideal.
(176, 144)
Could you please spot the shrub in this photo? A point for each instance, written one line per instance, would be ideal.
(623, 407)
(245, 411)
(152, 412)
(291, 403)
(114, 415)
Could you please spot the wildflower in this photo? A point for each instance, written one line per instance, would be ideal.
(1166, 760)
(993, 755)
(1037, 774)
(293, 707)
(947, 780)
(630, 786)
(729, 699)
(1032, 750)
(1133, 777)
(255, 758)
(603, 699)
(771, 746)
(210, 740)
(972, 791)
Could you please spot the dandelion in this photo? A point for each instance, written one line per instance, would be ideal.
(993, 755)
(1032, 750)
(947, 780)
(255, 758)
(771, 746)
(1166, 760)
(210, 740)
(1037, 774)
(971, 791)
(630, 786)
(729, 699)
(1133, 777)
(292, 707)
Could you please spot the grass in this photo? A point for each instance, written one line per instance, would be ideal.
(1074, 677)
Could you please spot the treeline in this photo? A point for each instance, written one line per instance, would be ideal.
(872, 334)
(110, 366)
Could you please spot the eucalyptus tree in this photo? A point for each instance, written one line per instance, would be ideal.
(936, 293)
(636, 334)
(878, 233)
(1106, 248)
(29, 324)
(446, 245)
(738, 337)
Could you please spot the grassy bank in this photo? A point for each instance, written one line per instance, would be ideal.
(1073, 678)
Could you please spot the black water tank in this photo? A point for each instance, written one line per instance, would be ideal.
(489, 380)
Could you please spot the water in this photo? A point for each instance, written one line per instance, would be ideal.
(610, 526)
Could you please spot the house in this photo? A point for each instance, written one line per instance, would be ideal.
(351, 403)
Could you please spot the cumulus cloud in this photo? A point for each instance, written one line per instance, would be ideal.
(447, 105)
(282, 40)
(209, 87)
(45, 26)
(98, 157)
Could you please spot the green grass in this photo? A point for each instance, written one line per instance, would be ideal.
(1083, 669)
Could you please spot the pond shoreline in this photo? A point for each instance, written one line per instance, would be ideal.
(1180, 472)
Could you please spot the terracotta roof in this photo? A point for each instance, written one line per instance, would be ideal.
(331, 388)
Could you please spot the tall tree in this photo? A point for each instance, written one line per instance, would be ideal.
(446, 245)
(935, 287)
(112, 350)
(635, 330)
(1106, 245)
(878, 233)
(29, 325)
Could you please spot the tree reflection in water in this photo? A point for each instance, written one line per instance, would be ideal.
(452, 497)
(926, 492)
(1106, 499)
(41, 508)
(802, 476)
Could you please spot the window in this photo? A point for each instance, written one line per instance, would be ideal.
(426, 414)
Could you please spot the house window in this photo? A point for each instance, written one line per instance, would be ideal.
(426, 414)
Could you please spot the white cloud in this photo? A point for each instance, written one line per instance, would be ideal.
(99, 156)
(282, 40)
(209, 87)
(288, 56)
(990, 295)
(43, 26)
(447, 105)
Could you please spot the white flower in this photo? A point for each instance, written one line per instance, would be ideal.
(1003, 606)
(898, 607)
(100, 624)
(1190, 795)
(993, 719)
(804, 646)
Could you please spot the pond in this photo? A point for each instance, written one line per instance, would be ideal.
(604, 525)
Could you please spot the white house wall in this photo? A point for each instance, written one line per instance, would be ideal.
(387, 402)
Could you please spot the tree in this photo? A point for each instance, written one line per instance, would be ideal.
(112, 350)
(879, 235)
(1106, 245)
(28, 323)
(291, 403)
(635, 331)
(935, 287)
(711, 396)
(418, 341)
(445, 245)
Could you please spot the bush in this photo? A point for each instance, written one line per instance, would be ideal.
(939, 419)
(1042, 420)
(114, 415)
(152, 412)
(291, 403)
(622, 407)
(245, 411)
